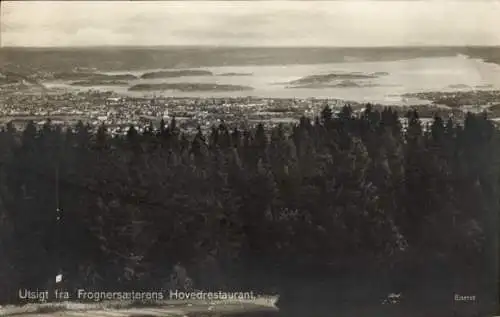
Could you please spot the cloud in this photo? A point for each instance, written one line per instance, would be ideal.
(254, 23)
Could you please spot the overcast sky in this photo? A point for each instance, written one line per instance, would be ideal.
(252, 23)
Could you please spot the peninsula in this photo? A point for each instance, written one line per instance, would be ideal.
(175, 73)
(342, 84)
(92, 76)
(189, 87)
(235, 74)
(88, 83)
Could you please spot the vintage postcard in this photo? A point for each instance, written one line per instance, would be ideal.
(285, 158)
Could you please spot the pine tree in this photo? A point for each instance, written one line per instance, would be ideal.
(101, 137)
(326, 115)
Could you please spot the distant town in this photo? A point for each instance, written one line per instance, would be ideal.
(118, 113)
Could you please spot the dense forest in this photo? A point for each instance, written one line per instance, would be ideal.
(357, 200)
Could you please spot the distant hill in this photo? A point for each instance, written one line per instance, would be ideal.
(142, 58)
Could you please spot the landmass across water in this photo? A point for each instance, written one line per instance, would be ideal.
(92, 76)
(189, 87)
(90, 83)
(175, 73)
(124, 58)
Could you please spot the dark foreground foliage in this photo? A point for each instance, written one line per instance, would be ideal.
(344, 209)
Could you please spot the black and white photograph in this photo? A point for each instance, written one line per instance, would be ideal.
(250, 158)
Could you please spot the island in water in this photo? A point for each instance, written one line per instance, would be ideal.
(189, 87)
(342, 84)
(484, 86)
(176, 73)
(459, 86)
(88, 83)
(328, 78)
(380, 74)
(235, 74)
(92, 76)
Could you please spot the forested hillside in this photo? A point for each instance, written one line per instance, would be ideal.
(343, 196)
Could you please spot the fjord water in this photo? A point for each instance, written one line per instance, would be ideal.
(451, 73)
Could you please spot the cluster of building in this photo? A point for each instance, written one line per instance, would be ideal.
(119, 113)
(470, 99)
